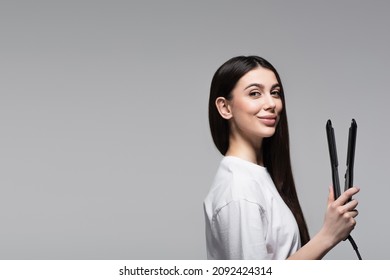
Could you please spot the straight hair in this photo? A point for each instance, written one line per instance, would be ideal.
(275, 149)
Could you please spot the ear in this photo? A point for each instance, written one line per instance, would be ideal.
(223, 108)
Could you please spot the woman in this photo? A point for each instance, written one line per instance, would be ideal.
(252, 210)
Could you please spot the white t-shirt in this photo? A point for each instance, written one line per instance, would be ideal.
(245, 216)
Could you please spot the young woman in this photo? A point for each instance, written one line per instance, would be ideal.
(252, 210)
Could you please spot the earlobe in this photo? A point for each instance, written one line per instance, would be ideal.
(223, 108)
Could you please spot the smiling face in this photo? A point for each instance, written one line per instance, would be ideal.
(253, 111)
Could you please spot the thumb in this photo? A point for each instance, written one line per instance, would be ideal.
(331, 195)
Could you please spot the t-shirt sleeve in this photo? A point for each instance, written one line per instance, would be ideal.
(240, 228)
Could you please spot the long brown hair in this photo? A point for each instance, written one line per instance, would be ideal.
(276, 149)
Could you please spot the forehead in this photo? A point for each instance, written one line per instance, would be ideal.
(258, 75)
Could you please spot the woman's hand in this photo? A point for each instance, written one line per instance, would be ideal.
(340, 216)
(339, 222)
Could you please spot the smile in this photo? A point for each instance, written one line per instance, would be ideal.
(268, 120)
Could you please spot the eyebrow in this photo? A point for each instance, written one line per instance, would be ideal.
(262, 86)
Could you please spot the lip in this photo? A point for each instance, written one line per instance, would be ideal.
(268, 117)
(269, 120)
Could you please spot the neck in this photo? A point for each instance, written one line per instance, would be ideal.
(241, 148)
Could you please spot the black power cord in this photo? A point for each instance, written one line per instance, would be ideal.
(355, 247)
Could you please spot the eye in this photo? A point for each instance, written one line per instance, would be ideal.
(275, 93)
(254, 94)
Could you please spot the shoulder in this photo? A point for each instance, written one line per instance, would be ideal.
(238, 180)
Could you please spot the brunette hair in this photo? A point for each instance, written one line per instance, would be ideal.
(276, 149)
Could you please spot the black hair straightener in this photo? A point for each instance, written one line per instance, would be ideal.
(350, 164)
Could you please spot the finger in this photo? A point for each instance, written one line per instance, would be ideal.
(330, 195)
(351, 205)
(354, 213)
(347, 195)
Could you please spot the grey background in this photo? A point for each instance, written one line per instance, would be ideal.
(105, 150)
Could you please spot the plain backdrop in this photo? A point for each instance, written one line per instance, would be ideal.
(105, 149)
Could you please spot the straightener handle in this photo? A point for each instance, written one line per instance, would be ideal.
(350, 155)
(333, 159)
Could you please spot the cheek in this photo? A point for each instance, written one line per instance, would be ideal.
(279, 106)
(241, 107)
(249, 106)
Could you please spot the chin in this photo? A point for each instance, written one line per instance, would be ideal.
(265, 135)
(269, 134)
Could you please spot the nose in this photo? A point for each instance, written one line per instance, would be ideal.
(269, 102)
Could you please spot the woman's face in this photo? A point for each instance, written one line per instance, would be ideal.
(255, 105)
